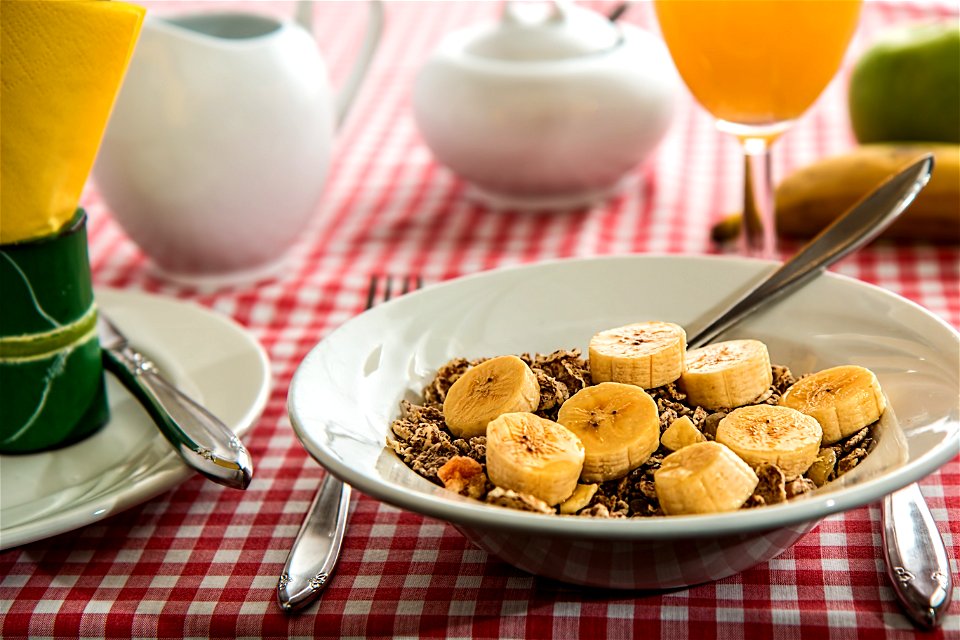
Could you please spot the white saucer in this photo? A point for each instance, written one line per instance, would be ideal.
(128, 462)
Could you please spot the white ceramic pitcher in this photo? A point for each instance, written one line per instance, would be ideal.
(218, 147)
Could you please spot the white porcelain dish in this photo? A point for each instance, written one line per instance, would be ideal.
(347, 391)
(128, 462)
(550, 107)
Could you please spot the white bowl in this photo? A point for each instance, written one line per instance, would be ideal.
(347, 391)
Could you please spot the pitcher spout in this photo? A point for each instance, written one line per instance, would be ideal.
(216, 28)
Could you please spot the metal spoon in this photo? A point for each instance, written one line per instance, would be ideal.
(855, 228)
(916, 558)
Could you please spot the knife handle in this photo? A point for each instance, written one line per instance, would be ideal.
(201, 440)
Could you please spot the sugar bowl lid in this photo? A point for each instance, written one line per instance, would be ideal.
(540, 31)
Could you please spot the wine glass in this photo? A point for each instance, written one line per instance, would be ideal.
(756, 66)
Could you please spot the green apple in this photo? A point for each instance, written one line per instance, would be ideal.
(906, 86)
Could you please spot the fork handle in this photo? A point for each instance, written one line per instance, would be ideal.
(317, 548)
(917, 563)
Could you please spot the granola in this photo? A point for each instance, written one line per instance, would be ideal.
(465, 476)
(421, 439)
(513, 500)
(772, 486)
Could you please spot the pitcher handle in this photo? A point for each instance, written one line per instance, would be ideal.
(371, 39)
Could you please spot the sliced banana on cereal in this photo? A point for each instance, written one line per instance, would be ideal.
(706, 477)
(618, 425)
(681, 433)
(824, 468)
(727, 374)
(581, 497)
(774, 435)
(535, 456)
(842, 399)
(494, 387)
(646, 354)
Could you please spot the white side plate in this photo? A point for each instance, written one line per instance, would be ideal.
(210, 357)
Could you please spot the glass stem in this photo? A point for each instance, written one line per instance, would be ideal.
(758, 238)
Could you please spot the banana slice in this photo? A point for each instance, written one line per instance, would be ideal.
(533, 455)
(493, 387)
(618, 425)
(842, 399)
(774, 435)
(823, 469)
(581, 497)
(681, 433)
(727, 374)
(647, 354)
(706, 477)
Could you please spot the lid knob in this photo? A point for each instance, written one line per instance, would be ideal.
(538, 31)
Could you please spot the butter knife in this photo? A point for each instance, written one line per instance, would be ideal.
(199, 438)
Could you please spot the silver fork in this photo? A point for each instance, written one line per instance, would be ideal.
(316, 549)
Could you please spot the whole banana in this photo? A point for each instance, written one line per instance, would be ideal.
(812, 197)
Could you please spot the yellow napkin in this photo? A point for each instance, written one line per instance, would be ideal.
(61, 65)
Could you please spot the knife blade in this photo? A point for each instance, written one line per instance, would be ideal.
(203, 442)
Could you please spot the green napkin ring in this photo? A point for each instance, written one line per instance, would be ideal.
(51, 375)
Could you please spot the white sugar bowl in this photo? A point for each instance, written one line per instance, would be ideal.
(552, 106)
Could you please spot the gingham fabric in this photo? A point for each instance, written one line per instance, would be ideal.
(203, 561)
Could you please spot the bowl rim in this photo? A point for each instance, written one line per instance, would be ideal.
(462, 511)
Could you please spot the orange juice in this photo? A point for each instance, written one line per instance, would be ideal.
(757, 62)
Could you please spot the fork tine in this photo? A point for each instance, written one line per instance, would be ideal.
(387, 292)
(407, 284)
(372, 292)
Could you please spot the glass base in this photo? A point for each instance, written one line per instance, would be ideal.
(758, 235)
(767, 132)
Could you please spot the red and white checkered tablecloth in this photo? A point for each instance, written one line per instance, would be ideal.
(202, 561)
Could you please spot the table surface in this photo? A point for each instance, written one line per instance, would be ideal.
(202, 561)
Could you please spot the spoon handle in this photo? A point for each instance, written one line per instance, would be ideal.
(913, 549)
(917, 562)
(858, 226)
